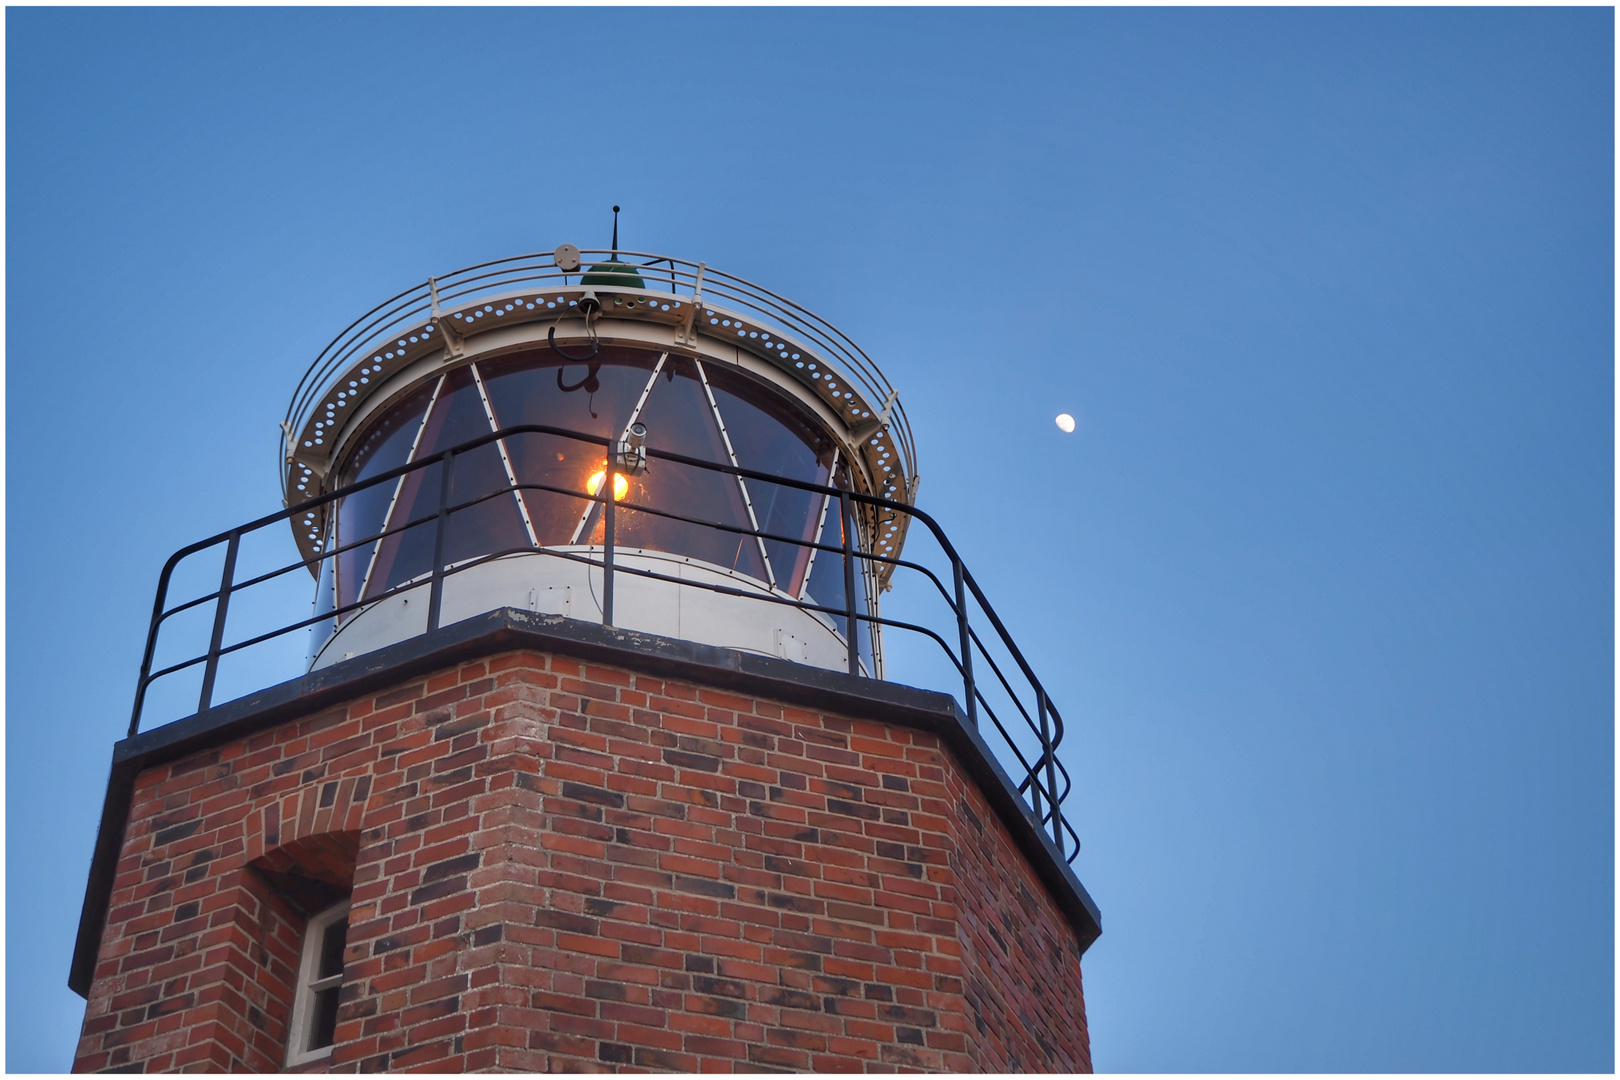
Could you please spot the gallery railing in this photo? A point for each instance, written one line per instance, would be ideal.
(1042, 778)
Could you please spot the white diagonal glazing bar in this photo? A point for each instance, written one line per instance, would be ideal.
(399, 486)
(579, 528)
(770, 575)
(506, 459)
(821, 523)
(641, 402)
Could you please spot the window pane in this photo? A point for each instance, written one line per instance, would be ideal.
(769, 436)
(323, 1019)
(827, 581)
(541, 388)
(384, 446)
(492, 525)
(321, 632)
(679, 420)
(332, 949)
(403, 555)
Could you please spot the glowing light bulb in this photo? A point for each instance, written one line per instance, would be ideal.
(621, 484)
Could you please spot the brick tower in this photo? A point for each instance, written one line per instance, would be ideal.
(603, 752)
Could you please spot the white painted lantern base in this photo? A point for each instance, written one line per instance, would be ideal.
(545, 583)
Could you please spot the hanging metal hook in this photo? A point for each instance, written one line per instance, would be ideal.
(551, 339)
(589, 306)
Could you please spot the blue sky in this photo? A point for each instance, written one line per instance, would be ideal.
(1323, 581)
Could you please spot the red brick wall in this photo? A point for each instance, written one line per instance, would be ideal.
(565, 866)
(1020, 959)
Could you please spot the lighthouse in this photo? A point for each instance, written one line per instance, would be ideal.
(593, 758)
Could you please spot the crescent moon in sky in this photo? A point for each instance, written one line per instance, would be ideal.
(1065, 421)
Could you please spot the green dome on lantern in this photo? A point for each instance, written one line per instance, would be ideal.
(613, 272)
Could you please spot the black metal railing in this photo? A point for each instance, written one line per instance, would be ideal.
(1041, 776)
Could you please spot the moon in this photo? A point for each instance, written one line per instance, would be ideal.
(1065, 421)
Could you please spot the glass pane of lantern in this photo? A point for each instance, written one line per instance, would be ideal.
(679, 420)
(325, 601)
(487, 526)
(827, 581)
(386, 445)
(541, 388)
(770, 437)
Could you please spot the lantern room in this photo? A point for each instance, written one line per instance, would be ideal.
(729, 419)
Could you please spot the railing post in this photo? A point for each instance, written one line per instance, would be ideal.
(220, 606)
(1051, 771)
(607, 541)
(968, 689)
(847, 517)
(441, 528)
(1035, 791)
(151, 647)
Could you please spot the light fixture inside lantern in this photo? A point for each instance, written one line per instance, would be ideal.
(621, 484)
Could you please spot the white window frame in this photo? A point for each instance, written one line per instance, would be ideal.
(303, 1010)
